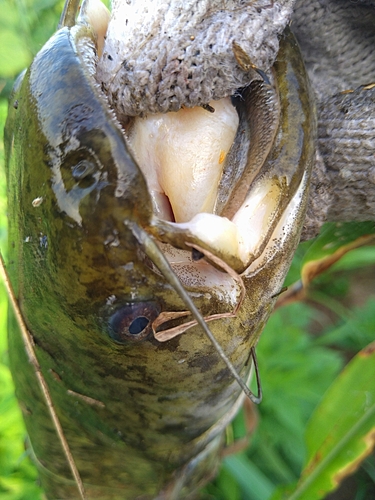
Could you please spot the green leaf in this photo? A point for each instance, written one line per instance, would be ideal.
(255, 485)
(341, 432)
(14, 54)
(356, 259)
(295, 372)
(356, 332)
(335, 240)
(337, 235)
(228, 487)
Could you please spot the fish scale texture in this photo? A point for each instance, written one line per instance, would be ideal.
(175, 53)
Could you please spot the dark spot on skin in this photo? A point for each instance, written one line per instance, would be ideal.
(171, 345)
(134, 393)
(213, 399)
(222, 375)
(110, 57)
(208, 108)
(178, 430)
(204, 363)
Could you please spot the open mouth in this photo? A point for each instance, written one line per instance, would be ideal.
(214, 195)
(228, 177)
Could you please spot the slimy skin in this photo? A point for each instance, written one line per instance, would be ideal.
(89, 294)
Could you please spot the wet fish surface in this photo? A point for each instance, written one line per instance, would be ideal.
(143, 418)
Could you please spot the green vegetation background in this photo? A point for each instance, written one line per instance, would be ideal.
(302, 350)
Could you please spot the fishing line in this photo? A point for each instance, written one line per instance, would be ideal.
(153, 252)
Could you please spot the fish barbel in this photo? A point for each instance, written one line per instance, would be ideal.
(116, 298)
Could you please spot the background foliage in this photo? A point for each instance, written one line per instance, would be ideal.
(301, 352)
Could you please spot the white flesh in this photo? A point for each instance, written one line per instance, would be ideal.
(182, 156)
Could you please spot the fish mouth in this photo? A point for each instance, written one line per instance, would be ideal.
(143, 257)
(227, 181)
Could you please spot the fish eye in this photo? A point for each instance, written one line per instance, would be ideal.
(83, 172)
(79, 169)
(138, 325)
(83, 169)
(133, 322)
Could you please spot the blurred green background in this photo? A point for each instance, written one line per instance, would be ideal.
(25, 25)
(300, 353)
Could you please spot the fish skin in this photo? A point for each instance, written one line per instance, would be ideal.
(166, 406)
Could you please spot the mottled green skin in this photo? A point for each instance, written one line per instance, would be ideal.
(164, 403)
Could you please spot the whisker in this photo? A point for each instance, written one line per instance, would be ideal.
(153, 252)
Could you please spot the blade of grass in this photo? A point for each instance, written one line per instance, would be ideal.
(253, 482)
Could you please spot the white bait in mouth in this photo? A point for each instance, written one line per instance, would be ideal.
(142, 418)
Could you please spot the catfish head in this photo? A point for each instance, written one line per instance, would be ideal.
(145, 283)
